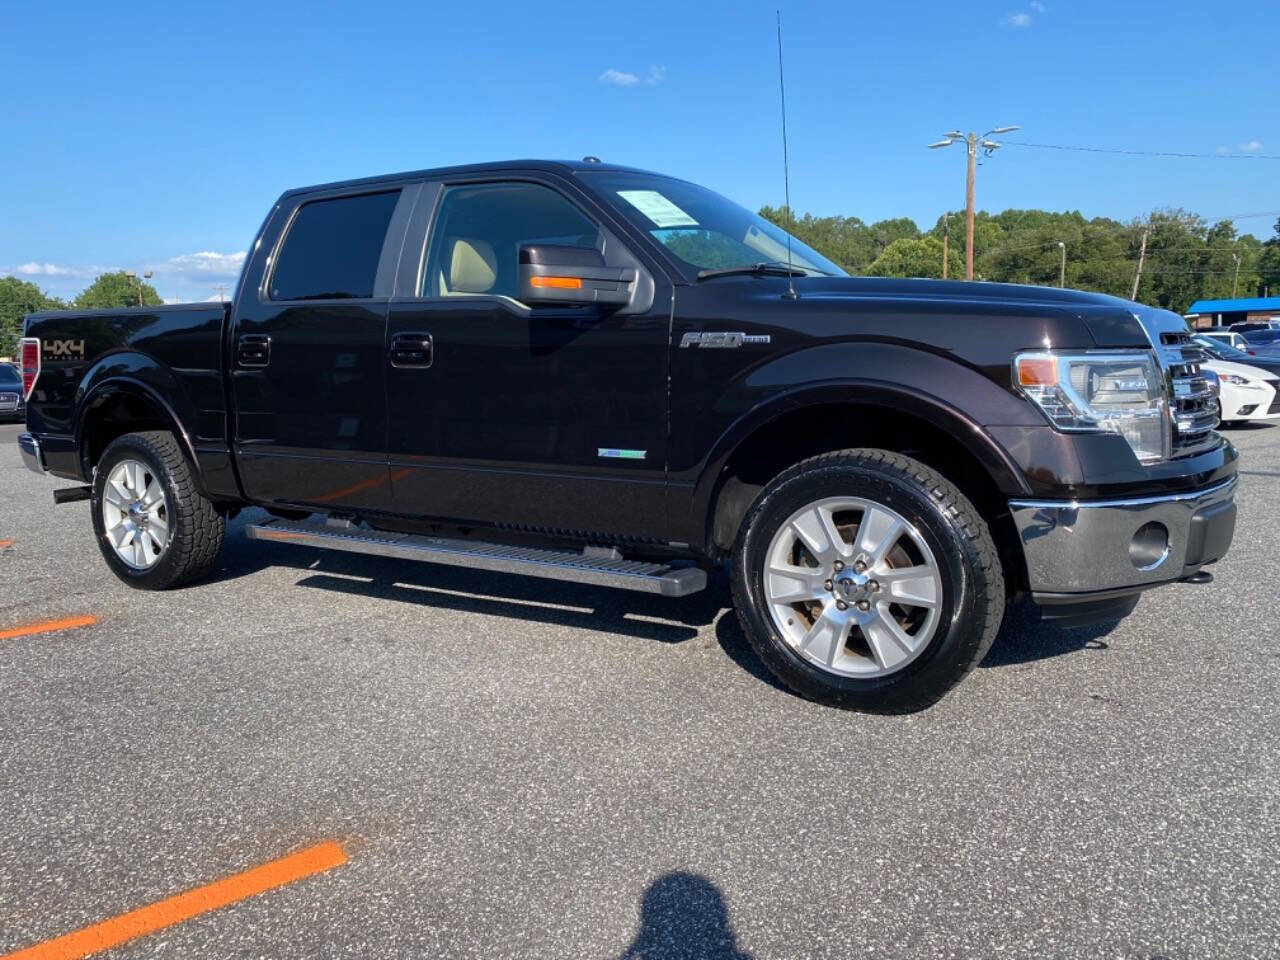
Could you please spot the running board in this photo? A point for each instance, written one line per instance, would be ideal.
(603, 571)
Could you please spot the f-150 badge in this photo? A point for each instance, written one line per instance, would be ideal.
(722, 341)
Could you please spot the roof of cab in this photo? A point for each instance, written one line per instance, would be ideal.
(499, 166)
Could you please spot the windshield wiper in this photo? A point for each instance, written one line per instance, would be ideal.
(770, 267)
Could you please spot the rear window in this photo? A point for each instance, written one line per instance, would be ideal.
(1262, 336)
(9, 376)
(333, 247)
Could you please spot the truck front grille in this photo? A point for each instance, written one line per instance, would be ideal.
(1193, 408)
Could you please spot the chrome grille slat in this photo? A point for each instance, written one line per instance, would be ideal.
(1193, 406)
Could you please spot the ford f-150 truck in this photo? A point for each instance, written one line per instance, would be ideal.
(591, 373)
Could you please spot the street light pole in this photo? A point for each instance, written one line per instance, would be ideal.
(1062, 272)
(132, 275)
(946, 236)
(1235, 284)
(972, 142)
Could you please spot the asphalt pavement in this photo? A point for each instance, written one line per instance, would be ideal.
(521, 768)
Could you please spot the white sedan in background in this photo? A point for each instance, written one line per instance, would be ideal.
(1248, 393)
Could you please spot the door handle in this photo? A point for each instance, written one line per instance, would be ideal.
(411, 350)
(253, 350)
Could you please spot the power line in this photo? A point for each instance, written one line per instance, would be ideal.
(1143, 153)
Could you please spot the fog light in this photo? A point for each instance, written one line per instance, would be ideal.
(1150, 545)
(1245, 411)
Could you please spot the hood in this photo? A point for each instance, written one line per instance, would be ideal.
(1240, 370)
(1111, 321)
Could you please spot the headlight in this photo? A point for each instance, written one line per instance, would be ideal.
(1118, 392)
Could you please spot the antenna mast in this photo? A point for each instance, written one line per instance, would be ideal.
(786, 173)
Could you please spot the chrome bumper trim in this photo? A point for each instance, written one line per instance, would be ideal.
(1081, 546)
(31, 453)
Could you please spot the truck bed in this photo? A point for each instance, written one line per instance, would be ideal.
(170, 354)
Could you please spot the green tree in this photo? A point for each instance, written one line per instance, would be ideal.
(17, 299)
(915, 257)
(116, 290)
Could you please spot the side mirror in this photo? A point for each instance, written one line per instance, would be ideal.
(551, 273)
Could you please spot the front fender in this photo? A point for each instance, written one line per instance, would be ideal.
(954, 397)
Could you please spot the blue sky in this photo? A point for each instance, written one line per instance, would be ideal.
(157, 136)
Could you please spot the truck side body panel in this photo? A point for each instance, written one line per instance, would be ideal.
(171, 356)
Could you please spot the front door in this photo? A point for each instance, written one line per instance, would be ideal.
(551, 419)
(308, 359)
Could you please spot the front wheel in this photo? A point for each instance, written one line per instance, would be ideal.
(154, 527)
(866, 580)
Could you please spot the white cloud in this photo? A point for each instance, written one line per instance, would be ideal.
(33, 269)
(618, 78)
(1037, 6)
(1222, 150)
(1250, 146)
(621, 78)
(1019, 20)
(204, 263)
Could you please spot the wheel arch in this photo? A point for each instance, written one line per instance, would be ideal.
(115, 405)
(808, 422)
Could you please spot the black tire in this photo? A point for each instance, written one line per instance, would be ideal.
(973, 590)
(196, 528)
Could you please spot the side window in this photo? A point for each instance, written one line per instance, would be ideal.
(479, 229)
(332, 248)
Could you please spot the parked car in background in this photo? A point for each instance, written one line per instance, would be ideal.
(12, 404)
(1227, 336)
(1265, 343)
(1252, 326)
(1245, 392)
(1220, 351)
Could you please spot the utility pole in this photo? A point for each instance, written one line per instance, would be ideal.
(946, 235)
(1235, 284)
(1062, 273)
(1142, 255)
(972, 142)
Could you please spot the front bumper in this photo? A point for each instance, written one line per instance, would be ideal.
(1081, 550)
(32, 456)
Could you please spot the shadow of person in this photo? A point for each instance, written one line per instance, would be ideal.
(684, 915)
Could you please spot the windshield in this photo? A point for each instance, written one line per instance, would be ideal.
(1216, 348)
(701, 230)
(9, 376)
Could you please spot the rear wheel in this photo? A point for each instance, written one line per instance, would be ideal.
(866, 580)
(154, 527)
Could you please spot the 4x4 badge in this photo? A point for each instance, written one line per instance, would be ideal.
(722, 340)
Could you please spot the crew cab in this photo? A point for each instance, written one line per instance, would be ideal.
(591, 373)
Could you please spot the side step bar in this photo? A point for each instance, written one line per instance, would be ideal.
(528, 561)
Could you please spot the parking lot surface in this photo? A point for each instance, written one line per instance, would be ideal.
(520, 768)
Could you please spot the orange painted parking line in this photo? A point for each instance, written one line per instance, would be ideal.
(166, 913)
(48, 626)
(5, 543)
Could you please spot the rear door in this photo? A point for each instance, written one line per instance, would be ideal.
(308, 359)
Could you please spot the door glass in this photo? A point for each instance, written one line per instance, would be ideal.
(333, 247)
(480, 228)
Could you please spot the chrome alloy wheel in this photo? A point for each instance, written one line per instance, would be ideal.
(135, 515)
(852, 587)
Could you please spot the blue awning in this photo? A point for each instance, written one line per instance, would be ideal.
(1242, 305)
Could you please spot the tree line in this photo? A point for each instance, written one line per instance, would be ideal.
(1187, 258)
(19, 297)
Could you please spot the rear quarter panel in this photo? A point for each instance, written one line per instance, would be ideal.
(171, 354)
